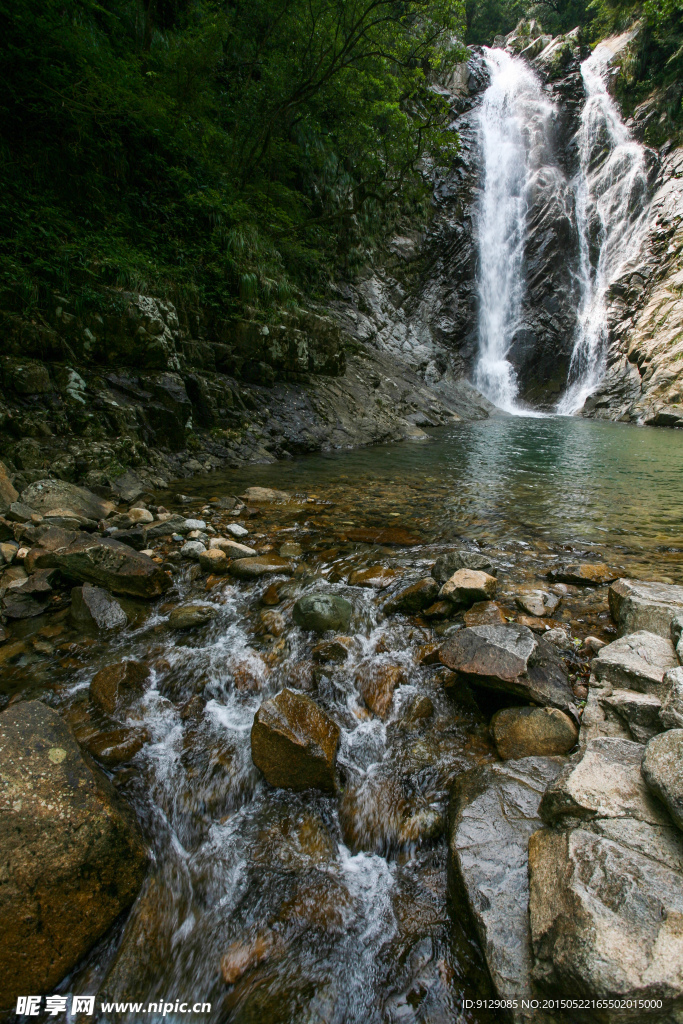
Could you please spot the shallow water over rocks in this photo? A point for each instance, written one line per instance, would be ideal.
(278, 906)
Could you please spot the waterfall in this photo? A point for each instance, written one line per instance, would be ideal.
(515, 120)
(610, 190)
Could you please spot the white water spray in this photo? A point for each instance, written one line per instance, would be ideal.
(611, 191)
(514, 123)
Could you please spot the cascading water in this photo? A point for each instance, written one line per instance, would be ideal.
(514, 123)
(611, 208)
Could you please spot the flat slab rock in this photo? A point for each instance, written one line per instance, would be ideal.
(101, 561)
(80, 861)
(494, 810)
(510, 658)
(637, 605)
(638, 661)
(605, 908)
(663, 771)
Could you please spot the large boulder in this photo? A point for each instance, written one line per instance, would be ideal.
(662, 769)
(637, 605)
(71, 853)
(605, 912)
(45, 495)
(102, 561)
(606, 783)
(294, 743)
(494, 810)
(636, 662)
(512, 659)
(533, 732)
(321, 612)
(95, 607)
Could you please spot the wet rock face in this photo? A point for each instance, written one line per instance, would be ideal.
(189, 616)
(494, 810)
(638, 662)
(533, 732)
(606, 914)
(294, 743)
(642, 605)
(512, 659)
(95, 607)
(663, 771)
(72, 854)
(414, 598)
(113, 688)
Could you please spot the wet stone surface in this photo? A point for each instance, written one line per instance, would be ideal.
(277, 905)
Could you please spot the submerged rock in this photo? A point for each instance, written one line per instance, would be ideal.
(294, 743)
(115, 687)
(189, 616)
(378, 577)
(377, 684)
(265, 495)
(321, 612)
(262, 565)
(512, 659)
(533, 732)
(449, 563)
(663, 771)
(95, 607)
(80, 860)
(414, 598)
(334, 651)
(494, 810)
(484, 613)
(638, 605)
(584, 574)
(116, 746)
(636, 662)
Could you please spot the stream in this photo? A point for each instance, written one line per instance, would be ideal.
(338, 904)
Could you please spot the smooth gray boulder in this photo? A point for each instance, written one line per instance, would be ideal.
(510, 658)
(671, 714)
(636, 605)
(606, 783)
(321, 612)
(494, 810)
(45, 495)
(638, 661)
(71, 852)
(452, 561)
(663, 771)
(605, 921)
(640, 712)
(95, 607)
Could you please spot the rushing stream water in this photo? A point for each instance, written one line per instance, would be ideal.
(337, 904)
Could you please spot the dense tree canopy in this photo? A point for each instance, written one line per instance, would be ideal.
(230, 149)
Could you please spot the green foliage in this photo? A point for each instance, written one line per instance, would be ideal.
(225, 152)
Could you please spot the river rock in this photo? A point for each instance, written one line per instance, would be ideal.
(261, 565)
(494, 810)
(484, 613)
(231, 548)
(80, 860)
(413, 598)
(663, 771)
(116, 746)
(236, 530)
(23, 606)
(294, 743)
(466, 586)
(638, 605)
(102, 561)
(605, 919)
(452, 561)
(44, 495)
(193, 549)
(671, 714)
(640, 711)
(189, 616)
(533, 732)
(263, 495)
(606, 783)
(583, 574)
(377, 684)
(290, 550)
(509, 658)
(117, 686)
(167, 527)
(537, 602)
(214, 561)
(95, 607)
(334, 651)
(321, 612)
(636, 662)
(8, 493)
(378, 577)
